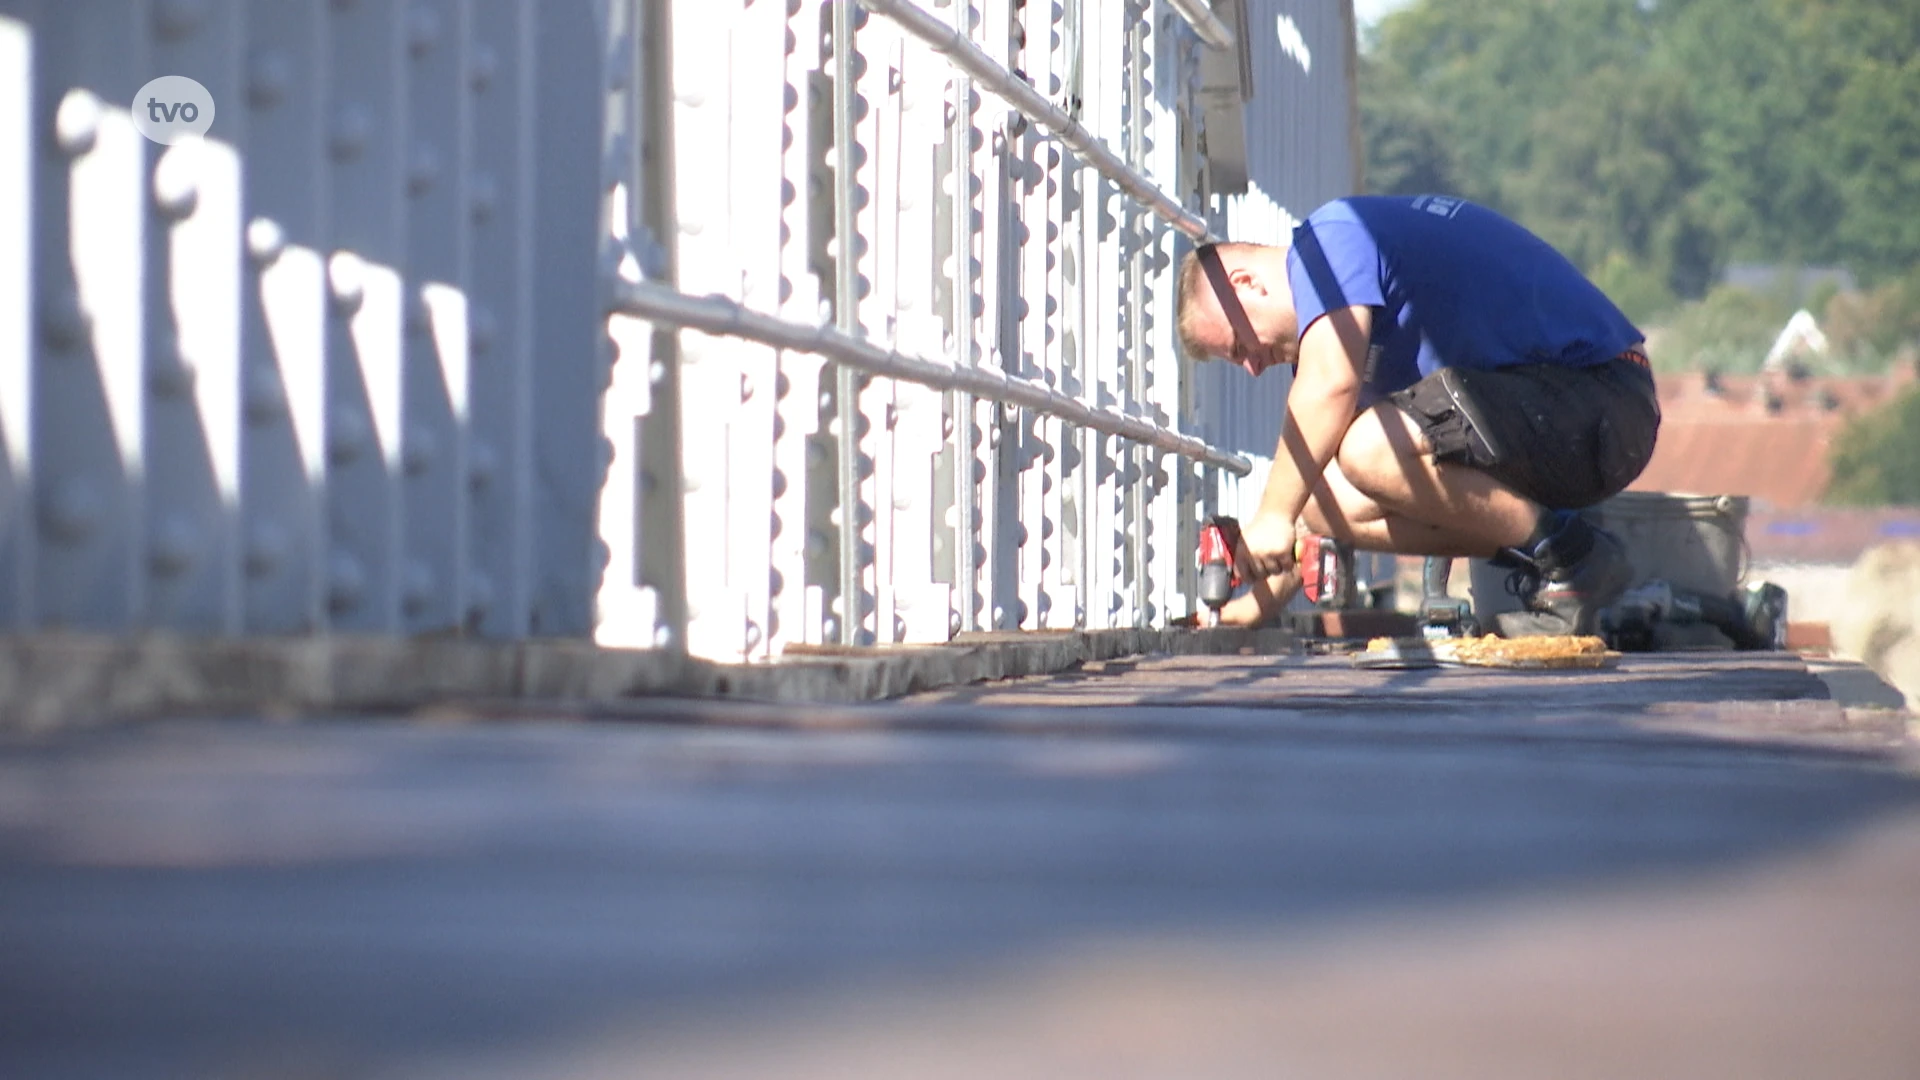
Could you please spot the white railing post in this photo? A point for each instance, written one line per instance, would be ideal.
(628, 613)
(919, 603)
(797, 605)
(963, 277)
(24, 145)
(876, 255)
(851, 513)
(1031, 180)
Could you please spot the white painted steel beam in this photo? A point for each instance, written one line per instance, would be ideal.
(949, 42)
(1199, 15)
(719, 316)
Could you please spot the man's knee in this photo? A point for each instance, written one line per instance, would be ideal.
(1380, 448)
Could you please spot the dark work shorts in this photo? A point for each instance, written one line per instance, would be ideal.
(1565, 437)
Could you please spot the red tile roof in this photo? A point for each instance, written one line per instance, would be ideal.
(1764, 436)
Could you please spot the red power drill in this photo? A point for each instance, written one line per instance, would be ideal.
(1325, 567)
(1218, 578)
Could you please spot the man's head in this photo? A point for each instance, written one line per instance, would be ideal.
(1234, 303)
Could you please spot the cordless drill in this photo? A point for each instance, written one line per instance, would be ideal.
(1218, 578)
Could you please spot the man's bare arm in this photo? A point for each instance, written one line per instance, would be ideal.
(1320, 407)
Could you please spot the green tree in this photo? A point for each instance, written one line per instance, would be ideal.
(1729, 330)
(1657, 140)
(1878, 125)
(1760, 76)
(1410, 145)
(1488, 66)
(1876, 459)
(1613, 172)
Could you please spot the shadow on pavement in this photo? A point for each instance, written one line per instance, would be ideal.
(199, 898)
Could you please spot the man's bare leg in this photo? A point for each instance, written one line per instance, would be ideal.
(1386, 493)
(1369, 526)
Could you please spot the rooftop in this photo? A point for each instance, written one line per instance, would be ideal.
(1766, 436)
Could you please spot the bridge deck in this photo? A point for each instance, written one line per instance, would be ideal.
(1196, 866)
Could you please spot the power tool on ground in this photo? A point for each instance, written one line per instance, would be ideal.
(1441, 615)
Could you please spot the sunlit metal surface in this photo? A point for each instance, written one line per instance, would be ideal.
(655, 324)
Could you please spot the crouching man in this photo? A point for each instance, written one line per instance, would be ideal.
(1460, 389)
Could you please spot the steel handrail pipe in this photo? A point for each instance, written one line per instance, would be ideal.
(1199, 15)
(722, 317)
(963, 54)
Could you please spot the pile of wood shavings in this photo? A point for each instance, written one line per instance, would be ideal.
(1552, 651)
(1540, 651)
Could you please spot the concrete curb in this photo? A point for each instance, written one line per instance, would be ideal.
(50, 681)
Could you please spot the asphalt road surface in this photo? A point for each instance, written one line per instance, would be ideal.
(1688, 867)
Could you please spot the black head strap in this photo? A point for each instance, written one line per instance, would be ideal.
(1229, 299)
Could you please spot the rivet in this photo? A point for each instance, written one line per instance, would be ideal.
(479, 593)
(482, 464)
(483, 195)
(169, 375)
(423, 170)
(77, 122)
(422, 447)
(352, 126)
(269, 76)
(176, 183)
(266, 549)
(482, 329)
(423, 29)
(178, 18)
(620, 64)
(265, 241)
(170, 551)
(418, 587)
(417, 319)
(346, 583)
(346, 280)
(263, 397)
(348, 434)
(481, 70)
(63, 322)
(71, 512)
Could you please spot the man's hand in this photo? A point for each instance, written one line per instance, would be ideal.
(1268, 548)
(1265, 557)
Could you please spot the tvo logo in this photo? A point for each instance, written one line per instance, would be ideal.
(172, 109)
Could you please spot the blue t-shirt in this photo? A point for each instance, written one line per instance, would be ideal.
(1455, 285)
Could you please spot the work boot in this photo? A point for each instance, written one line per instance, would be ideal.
(1568, 599)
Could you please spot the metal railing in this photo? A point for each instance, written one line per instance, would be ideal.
(778, 324)
(1199, 15)
(1041, 498)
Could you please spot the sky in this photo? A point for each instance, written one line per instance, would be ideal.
(1368, 12)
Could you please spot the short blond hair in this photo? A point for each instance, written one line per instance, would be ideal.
(1190, 286)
